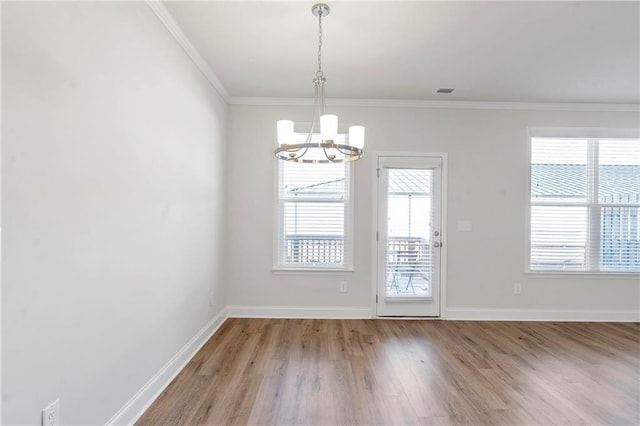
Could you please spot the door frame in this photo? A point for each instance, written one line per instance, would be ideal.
(374, 224)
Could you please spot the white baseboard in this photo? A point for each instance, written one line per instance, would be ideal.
(309, 312)
(141, 401)
(470, 314)
(473, 314)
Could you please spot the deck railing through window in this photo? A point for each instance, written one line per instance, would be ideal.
(326, 249)
(409, 253)
(316, 249)
(619, 241)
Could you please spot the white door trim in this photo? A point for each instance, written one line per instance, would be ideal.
(374, 225)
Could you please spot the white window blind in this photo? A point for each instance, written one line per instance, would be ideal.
(585, 200)
(314, 211)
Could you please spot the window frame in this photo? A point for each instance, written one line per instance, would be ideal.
(571, 133)
(305, 269)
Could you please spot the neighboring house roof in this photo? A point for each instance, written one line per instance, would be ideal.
(570, 180)
(409, 182)
(547, 181)
(406, 182)
(329, 187)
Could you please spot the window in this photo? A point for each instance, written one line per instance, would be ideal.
(314, 216)
(584, 205)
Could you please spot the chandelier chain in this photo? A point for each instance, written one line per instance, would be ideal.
(319, 73)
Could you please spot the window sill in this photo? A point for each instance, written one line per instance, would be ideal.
(578, 275)
(312, 271)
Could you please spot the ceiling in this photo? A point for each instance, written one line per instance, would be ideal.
(570, 52)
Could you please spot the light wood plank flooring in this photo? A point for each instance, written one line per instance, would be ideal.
(396, 372)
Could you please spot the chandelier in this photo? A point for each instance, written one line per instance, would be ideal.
(332, 147)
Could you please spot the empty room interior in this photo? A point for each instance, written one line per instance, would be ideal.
(341, 213)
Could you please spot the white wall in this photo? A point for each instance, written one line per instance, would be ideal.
(486, 184)
(113, 187)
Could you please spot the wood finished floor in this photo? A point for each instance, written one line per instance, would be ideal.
(394, 372)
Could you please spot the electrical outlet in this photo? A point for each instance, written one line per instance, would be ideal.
(343, 287)
(51, 414)
(517, 288)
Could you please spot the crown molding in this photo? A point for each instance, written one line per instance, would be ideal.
(409, 103)
(174, 29)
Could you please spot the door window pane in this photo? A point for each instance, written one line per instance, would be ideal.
(409, 224)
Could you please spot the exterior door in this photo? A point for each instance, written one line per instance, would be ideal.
(409, 237)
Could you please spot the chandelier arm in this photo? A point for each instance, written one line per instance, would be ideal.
(313, 117)
(331, 158)
(310, 135)
(304, 153)
(347, 152)
(293, 153)
(323, 106)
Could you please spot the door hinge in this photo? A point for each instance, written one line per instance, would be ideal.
(376, 298)
(376, 235)
(378, 172)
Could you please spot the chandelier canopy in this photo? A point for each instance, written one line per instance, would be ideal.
(331, 147)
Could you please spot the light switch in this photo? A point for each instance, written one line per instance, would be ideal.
(465, 226)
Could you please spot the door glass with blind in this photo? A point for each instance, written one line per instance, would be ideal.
(314, 210)
(409, 236)
(585, 200)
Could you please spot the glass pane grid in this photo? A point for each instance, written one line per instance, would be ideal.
(597, 228)
(313, 205)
